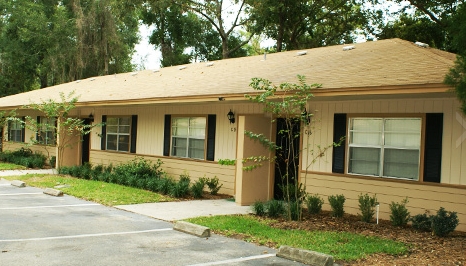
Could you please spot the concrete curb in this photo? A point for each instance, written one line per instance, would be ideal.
(18, 183)
(193, 229)
(305, 256)
(53, 192)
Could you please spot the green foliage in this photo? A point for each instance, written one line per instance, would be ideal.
(308, 24)
(295, 210)
(45, 43)
(213, 185)
(24, 157)
(314, 203)
(456, 78)
(422, 222)
(294, 192)
(181, 188)
(275, 208)
(366, 206)
(197, 189)
(226, 162)
(259, 208)
(399, 214)
(444, 222)
(337, 204)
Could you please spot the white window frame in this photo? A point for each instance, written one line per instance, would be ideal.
(15, 126)
(382, 145)
(47, 127)
(189, 137)
(119, 134)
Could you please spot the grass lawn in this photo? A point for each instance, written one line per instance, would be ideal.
(97, 191)
(10, 166)
(342, 245)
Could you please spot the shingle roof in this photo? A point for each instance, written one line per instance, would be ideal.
(383, 63)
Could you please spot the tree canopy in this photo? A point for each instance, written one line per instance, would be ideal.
(48, 42)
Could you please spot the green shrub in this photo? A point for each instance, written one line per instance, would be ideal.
(314, 203)
(367, 207)
(213, 185)
(275, 208)
(422, 222)
(181, 188)
(259, 208)
(165, 184)
(295, 210)
(337, 204)
(197, 189)
(444, 222)
(399, 214)
(24, 157)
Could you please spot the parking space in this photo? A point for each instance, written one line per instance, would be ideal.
(37, 229)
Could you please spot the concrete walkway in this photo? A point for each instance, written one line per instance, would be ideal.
(173, 211)
(166, 211)
(28, 171)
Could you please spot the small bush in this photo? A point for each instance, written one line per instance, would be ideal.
(444, 222)
(295, 210)
(366, 206)
(422, 222)
(53, 161)
(314, 203)
(337, 204)
(259, 208)
(165, 185)
(197, 189)
(213, 185)
(181, 188)
(399, 214)
(275, 208)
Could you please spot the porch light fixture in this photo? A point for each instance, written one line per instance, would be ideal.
(306, 117)
(231, 117)
(91, 117)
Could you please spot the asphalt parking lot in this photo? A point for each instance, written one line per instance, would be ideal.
(37, 229)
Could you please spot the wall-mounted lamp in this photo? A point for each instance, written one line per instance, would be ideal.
(231, 117)
(306, 117)
(91, 117)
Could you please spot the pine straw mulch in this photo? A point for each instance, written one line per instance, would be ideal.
(424, 248)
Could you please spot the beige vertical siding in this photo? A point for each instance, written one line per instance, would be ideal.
(453, 153)
(421, 197)
(175, 167)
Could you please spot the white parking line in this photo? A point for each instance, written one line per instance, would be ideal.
(14, 194)
(234, 260)
(85, 235)
(57, 206)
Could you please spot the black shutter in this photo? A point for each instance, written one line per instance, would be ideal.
(134, 130)
(9, 130)
(166, 135)
(433, 147)
(23, 129)
(339, 130)
(38, 130)
(103, 137)
(211, 125)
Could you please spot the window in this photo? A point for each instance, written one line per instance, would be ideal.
(118, 133)
(46, 133)
(385, 147)
(15, 131)
(188, 137)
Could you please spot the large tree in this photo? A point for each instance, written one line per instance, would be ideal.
(48, 42)
(307, 24)
(428, 21)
